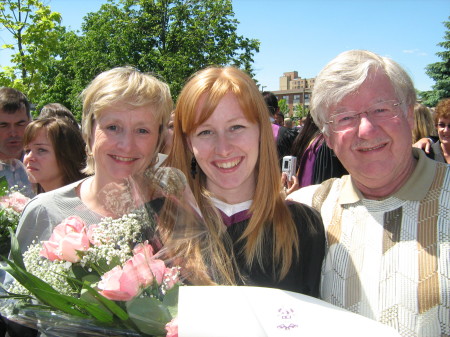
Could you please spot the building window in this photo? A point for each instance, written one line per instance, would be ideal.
(296, 99)
(286, 98)
(307, 97)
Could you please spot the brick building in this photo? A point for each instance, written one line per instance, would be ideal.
(295, 90)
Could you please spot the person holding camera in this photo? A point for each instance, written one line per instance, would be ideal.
(223, 143)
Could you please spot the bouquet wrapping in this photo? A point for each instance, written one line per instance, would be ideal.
(119, 276)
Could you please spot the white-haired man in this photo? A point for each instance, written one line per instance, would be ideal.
(388, 221)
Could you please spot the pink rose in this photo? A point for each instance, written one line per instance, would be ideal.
(120, 284)
(68, 238)
(144, 248)
(15, 200)
(147, 267)
(172, 328)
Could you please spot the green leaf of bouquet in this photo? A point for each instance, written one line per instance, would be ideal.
(4, 186)
(171, 300)
(15, 253)
(78, 273)
(81, 273)
(41, 290)
(149, 315)
(49, 296)
(109, 304)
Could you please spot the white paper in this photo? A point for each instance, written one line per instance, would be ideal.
(221, 311)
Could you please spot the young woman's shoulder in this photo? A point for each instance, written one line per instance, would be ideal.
(306, 218)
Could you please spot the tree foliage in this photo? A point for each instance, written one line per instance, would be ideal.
(284, 107)
(440, 72)
(35, 32)
(170, 38)
(300, 111)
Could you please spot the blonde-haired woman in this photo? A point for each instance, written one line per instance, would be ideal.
(223, 143)
(423, 123)
(124, 117)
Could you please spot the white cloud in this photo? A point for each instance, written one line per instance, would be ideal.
(415, 51)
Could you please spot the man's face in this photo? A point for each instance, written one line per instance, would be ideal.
(12, 128)
(377, 154)
(279, 120)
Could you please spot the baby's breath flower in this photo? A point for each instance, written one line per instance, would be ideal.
(116, 239)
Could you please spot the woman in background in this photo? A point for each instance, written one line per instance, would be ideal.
(423, 123)
(54, 153)
(58, 110)
(223, 143)
(440, 150)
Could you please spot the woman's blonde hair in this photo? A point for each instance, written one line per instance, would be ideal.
(123, 85)
(423, 123)
(269, 211)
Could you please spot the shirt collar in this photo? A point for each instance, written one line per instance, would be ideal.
(414, 189)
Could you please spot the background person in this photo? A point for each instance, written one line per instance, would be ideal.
(440, 150)
(59, 111)
(288, 123)
(387, 222)
(14, 117)
(316, 161)
(223, 143)
(423, 123)
(284, 137)
(54, 153)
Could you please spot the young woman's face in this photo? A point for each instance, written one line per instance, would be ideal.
(41, 164)
(226, 147)
(124, 142)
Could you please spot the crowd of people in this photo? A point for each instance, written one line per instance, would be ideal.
(363, 224)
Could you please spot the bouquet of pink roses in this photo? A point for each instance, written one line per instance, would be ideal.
(115, 277)
(95, 273)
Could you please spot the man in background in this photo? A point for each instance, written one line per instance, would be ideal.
(14, 117)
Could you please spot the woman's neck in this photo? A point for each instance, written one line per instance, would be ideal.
(93, 194)
(52, 185)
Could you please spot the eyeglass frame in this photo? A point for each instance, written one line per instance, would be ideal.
(397, 104)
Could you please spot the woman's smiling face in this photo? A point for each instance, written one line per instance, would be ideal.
(226, 147)
(124, 142)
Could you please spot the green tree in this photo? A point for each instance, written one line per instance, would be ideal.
(300, 111)
(35, 31)
(440, 72)
(171, 38)
(284, 107)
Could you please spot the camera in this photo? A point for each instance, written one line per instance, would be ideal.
(289, 166)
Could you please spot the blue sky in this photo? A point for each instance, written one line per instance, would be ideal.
(304, 35)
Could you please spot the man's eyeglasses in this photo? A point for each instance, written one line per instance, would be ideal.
(442, 125)
(376, 113)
